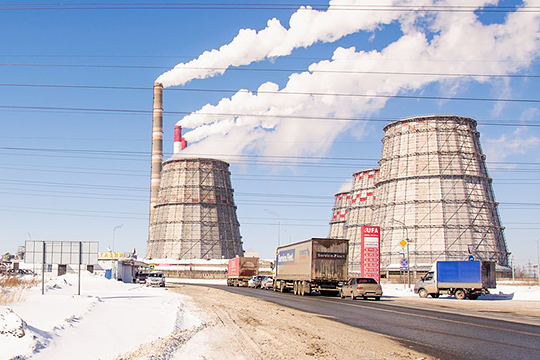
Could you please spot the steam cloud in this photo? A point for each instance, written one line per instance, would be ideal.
(306, 27)
(510, 47)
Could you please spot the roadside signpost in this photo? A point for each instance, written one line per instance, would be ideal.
(371, 255)
(61, 252)
(404, 265)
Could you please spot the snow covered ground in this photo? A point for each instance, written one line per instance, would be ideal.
(502, 292)
(113, 320)
(108, 319)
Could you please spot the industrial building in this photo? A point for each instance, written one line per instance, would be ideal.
(192, 210)
(432, 189)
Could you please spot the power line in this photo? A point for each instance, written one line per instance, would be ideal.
(292, 57)
(266, 6)
(248, 69)
(241, 156)
(296, 117)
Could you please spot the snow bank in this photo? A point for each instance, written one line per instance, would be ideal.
(109, 318)
(502, 292)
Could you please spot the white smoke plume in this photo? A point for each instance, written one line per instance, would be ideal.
(267, 114)
(306, 27)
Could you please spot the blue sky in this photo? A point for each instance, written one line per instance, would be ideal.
(76, 96)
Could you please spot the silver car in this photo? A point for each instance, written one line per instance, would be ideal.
(156, 278)
(364, 287)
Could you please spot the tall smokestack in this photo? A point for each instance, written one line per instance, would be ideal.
(177, 139)
(157, 145)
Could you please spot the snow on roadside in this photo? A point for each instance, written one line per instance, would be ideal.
(501, 292)
(109, 318)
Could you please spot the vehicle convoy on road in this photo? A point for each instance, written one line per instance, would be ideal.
(317, 264)
(241, 269)
(364, 287)
(464, 279)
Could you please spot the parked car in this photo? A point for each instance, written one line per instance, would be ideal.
(140, 277)
(364, 287)
(156, 278)
(20, 272)
(255, 281)
(267, 282)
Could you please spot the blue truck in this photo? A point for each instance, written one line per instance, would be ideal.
(463, 279)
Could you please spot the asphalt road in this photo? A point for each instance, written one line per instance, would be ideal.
(442, 334)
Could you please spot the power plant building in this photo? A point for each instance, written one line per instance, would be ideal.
(193, 214)
(433, 190)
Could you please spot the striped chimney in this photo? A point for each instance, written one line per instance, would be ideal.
(157, 145)
(177, 139)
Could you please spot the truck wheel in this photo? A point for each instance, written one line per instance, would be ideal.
(281, 286)
(303, 289)
(377, 298)
(434, 295)
(460, 294)
(473, 296)
(341, 295)
(423, 293)
(352, 295)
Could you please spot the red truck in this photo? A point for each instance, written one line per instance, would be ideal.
(241, 269)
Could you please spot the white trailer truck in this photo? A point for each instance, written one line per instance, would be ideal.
(317, 264)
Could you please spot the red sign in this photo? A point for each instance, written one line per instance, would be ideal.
(371, 253)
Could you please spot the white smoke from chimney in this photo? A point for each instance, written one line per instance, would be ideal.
(491, 49)
(306, 27)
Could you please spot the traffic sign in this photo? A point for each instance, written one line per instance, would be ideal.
(471, 258)
(404, 262)
(404, 268)
(403, 243)
(152, 267)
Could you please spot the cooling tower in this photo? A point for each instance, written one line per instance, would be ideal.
(360, 213)
(339, 215)
(433, 188)
(195, 215)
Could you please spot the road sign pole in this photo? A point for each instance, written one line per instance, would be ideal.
(43, 272)
(80, 262)
(408, 266)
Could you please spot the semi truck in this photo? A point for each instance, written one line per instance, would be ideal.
(317, 264)
(463, 279)
(241, 269)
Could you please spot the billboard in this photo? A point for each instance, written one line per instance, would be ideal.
(61, 252)
(371, 252)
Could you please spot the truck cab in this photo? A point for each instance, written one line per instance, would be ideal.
(427, 286)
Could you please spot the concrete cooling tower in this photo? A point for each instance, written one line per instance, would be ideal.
(353, 209)
(433, 189)
(192, 210)
(339, 215)
(195, 215)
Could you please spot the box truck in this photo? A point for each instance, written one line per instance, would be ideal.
(464, 279)
(317, 264)
(241, 269)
